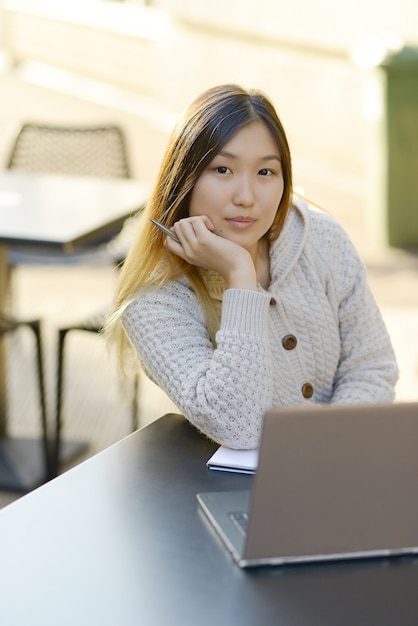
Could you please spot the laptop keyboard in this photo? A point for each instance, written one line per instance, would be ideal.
(240, 519)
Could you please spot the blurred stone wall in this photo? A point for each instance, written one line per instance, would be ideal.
(318, 61)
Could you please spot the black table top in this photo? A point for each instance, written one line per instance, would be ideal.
(120, 540)
(64, 212)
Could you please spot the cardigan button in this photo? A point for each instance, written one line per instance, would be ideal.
(307, 390)
(289, 342)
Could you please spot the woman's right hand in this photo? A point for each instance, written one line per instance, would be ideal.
(200, 246)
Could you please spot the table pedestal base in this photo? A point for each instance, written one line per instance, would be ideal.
(22, 462)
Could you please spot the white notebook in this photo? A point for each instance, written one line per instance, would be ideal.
(228, 460)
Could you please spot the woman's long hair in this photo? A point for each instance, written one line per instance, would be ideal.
(207, 124)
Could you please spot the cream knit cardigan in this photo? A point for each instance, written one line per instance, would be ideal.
(318, 293)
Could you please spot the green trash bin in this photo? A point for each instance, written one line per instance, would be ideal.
(399, 73)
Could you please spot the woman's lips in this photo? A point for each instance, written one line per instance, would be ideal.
(241, 222)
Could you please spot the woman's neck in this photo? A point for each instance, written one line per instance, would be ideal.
(262, 263)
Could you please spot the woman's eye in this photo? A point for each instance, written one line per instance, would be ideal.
(221, 169)
(265, 172)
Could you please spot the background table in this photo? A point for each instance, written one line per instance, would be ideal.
(62, 213)
(120, 540)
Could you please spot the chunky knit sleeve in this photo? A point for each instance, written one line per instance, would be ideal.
(367, 371)
(223, 391)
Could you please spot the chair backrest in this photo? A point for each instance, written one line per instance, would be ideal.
(77, 150)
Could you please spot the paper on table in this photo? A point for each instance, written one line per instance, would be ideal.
(228, 460)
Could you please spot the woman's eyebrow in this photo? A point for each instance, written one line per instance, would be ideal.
(231, 155)
(271, 157)
(226, 154)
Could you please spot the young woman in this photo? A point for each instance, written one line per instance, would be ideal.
(263, 301)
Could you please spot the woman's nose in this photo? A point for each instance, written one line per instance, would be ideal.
(244, 193)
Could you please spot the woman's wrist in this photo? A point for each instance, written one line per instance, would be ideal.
(241, 274)
(242, 279)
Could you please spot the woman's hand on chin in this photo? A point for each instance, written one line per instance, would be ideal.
(200, 246)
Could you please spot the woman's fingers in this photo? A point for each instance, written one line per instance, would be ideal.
(200, 246)
(190, 227)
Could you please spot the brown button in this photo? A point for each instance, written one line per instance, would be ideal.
(289, 342)
(307, 390)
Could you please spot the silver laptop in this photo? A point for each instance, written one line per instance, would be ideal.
(332, 483)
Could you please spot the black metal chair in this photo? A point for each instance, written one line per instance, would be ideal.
(7, 325)
(93, 324)
(79, 150)
(99, 151)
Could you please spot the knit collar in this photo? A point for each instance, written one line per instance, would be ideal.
(287, 248)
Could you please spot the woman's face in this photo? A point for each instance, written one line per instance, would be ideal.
(241, 188)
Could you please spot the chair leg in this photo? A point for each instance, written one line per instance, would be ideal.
(60, 397)
(36, 328)
(59, 400)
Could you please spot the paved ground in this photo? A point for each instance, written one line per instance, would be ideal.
(96, 406)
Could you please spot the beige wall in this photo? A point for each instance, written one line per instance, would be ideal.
(329, 24)
(299, 52)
